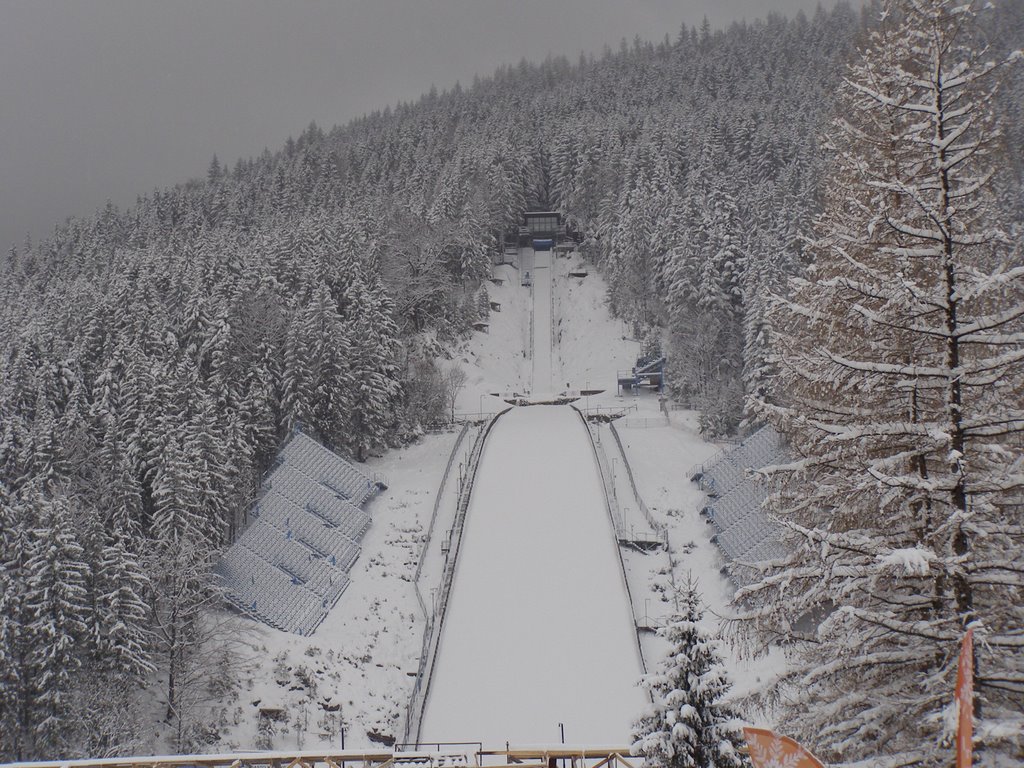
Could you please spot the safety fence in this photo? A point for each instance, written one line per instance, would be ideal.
(655, 525)
(609, 502)
(435, 622)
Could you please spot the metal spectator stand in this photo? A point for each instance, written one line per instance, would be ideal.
(291, 564)
(743, 532)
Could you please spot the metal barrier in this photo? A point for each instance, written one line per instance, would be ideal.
(447, 755)
(618, 550)
(435, 627)
(607, 412)
(430, 527)
(661, 530)
(655, 525)
(472, 417)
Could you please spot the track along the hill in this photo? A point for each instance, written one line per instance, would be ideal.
(538, 630)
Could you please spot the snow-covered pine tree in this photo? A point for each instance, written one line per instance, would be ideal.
(11, 683)
(123, 614)
(900, 388)
(689, 726)
(180, 555)
(328, 364)
(113, 681)
(375, 375)
(57, 607)
(16, 545)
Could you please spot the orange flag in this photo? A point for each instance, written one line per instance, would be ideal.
(768, 750)
(965, 700)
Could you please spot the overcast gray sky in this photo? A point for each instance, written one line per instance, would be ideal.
(107, 99)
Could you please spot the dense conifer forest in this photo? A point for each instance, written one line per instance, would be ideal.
(153, 359)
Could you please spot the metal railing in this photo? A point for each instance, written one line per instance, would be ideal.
(644, 422)
(608, 411)
(655, 525)
(447, 754)
(618, 551)
(472, 417)
(430, 527)
(661, 530)
(435, 626)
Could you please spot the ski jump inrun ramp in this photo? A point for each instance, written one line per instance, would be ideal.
(539, 628)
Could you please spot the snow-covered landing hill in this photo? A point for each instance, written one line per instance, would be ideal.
(356, 673)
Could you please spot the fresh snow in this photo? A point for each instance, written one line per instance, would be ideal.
(590, 344)
(542, 353)
(364, 656)
(361, 660)
(913, 560)
(538, 630)
(498, 360)
(660, 455)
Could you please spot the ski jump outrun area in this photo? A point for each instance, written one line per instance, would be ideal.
(539, 630)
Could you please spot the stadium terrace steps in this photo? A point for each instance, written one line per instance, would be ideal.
(291, 565)
(744, 533)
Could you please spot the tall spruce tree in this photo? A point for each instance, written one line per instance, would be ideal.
(900, 388)
(689, 726)
(56, 600)
(374, 369)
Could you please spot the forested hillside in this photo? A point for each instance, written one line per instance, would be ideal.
(153, 359)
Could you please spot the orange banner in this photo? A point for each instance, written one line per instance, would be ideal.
(768, 750)
(965, 702)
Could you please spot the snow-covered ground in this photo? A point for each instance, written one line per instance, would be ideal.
(542, 352)
(660, 455)
(590, 344)
(357, 670)
(538, 630)
(498, 360)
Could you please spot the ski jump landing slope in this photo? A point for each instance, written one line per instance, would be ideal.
(542, 324)
(539, 630)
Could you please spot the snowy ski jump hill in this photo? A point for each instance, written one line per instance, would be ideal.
(539, 623)
(547, 619)
(539, 619)
(542, 623)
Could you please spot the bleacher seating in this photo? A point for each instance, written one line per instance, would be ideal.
(291, 565)
(729, 469)
(308, 457)
(734, 505)
(305, 493)
(268, 593)
(745, 534)
(743, 531)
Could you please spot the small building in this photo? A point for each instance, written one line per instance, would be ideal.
(544, 223)
(541, 230)
(648, 373)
